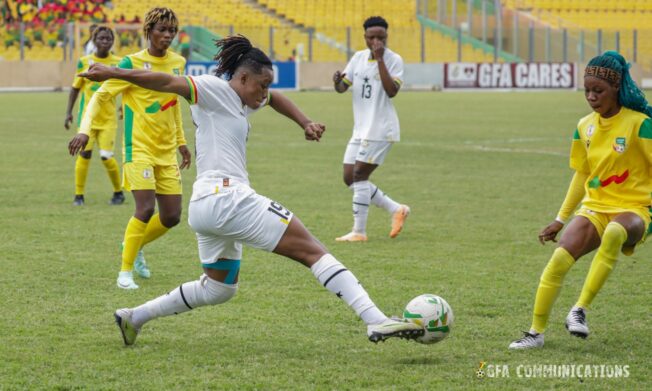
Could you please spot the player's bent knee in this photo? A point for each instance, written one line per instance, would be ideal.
(106, 155)
(218, 292)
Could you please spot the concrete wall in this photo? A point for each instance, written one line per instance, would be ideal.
(36, 74)
(57, 75)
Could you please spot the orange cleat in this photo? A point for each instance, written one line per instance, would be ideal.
(398, 219)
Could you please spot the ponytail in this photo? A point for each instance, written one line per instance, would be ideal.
(236, 51)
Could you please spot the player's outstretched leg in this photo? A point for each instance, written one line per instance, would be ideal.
(298, 243)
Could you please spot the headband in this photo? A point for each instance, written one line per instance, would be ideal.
(603, 73)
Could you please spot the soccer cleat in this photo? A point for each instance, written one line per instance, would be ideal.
(79, 200)
(352, 237)
(394, 328)
(528, 341)
(576, 322)
(126, 281)
(398, 219)
(140, 266)
(117, 199)
(128, 330)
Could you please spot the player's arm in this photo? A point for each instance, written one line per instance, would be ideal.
(574, 196)
(285, 106)
(186, 157)
(72, 98)
(156, 81)
(390, 85)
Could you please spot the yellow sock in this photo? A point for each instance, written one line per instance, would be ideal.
(613, 238)
(114, 173)
(155, 229)
(81, 172)
(132, 243)
(549, 287)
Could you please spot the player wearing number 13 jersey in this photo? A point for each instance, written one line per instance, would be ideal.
(375, 76)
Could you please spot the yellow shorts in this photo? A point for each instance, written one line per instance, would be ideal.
(144, 176)
(105, 139)
(600, 221)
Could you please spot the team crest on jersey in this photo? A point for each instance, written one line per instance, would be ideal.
(590, 130)
(147, 173)
(620, 145)
(147, 66)
(377, 76)
(175, 71)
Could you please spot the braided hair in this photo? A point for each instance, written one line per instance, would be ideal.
(236, 51)
(612, 67)
(159, 14)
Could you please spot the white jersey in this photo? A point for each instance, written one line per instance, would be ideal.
(374, 116)
(222, 132)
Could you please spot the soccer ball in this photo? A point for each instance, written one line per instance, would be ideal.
(433, 314)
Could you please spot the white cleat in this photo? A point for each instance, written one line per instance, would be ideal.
(352, 237)
(393, 328)
(576, 322)
(528, 341)
(127, 328)
(126, 281)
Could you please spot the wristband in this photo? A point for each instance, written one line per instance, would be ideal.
(560, 220)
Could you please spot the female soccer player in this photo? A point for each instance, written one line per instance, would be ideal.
(104, 129)
(225, 212)
(611, 154)
(375, 74)
(153, 132)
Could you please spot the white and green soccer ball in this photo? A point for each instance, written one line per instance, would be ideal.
(433, 314)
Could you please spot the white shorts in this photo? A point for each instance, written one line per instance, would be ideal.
(366, 151)
(234, 216)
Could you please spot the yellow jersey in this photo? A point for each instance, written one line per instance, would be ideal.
(106, 119)
(152, 120)
(616, 153)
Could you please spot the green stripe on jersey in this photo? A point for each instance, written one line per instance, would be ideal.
(645, 131)
(129, 127)
(576, 135)
(125, 63)
(82, 102)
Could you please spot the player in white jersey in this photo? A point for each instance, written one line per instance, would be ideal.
(375, 75)
(225, 212)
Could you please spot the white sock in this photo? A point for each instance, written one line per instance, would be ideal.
(361, 201)
(186, 297)
(337, 279)
(382, 200)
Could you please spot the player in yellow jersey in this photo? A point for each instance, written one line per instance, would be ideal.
(152, 134)
(611, 154)
(104, 129)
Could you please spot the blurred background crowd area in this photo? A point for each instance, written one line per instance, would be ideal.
(331, 30)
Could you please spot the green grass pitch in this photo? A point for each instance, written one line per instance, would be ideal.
(482, 172)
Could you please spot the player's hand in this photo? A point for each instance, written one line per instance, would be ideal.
(338, 76)
(378, 49)
(549, 233)
(97, 72)
(77, 144)
(314, 130)
(68, 121)
(185, 157)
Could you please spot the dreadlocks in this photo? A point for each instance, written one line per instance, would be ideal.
(236, 51)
